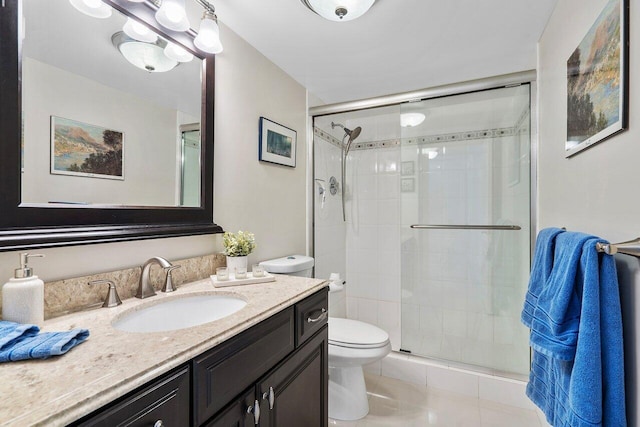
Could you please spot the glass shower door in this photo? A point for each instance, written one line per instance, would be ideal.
(465, 190)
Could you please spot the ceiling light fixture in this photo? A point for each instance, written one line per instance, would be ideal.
(408, 120)
(93, 8)
(339, 10)
(146, 56)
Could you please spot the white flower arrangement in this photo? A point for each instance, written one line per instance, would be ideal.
(238, 244)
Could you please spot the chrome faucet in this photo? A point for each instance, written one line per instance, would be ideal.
(145, 289)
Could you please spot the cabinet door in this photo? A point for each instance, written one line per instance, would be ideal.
(295, 392)
(222, 373)
(237, 413)
(164, 402)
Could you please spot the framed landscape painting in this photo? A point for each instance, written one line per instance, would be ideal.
(82, 149)
(597, 80)
(277, 143)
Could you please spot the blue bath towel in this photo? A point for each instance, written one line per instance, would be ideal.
(586, 389)
(31, 345)
(540, 271)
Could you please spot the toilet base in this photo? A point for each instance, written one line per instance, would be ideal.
(348, 398)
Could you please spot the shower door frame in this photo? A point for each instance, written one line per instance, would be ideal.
(496, 82)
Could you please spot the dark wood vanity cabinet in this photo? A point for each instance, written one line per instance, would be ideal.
(274, 374)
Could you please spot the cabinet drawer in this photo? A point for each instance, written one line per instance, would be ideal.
(166, 399)
(311, 315)
(224, 372)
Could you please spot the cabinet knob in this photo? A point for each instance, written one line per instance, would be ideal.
(322, 316)
(271, 396)
(158, 423)
(255, 409)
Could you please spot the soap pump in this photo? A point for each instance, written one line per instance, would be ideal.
(23, 295)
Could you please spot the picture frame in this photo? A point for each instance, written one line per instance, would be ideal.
(85, 150)
(277, 143)
(598, 80)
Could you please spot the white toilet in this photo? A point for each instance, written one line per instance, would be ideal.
(352, 344)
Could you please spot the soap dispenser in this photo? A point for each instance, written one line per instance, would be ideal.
(23, 295)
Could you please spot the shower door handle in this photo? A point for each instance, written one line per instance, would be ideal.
(465, 227)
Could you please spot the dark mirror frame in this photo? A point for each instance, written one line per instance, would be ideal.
(25, 226)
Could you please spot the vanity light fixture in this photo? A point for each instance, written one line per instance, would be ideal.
(172, 15)
(93, 8)
(208, 38)
(408, 120)
(138, 31)
(339, 10)
(146, 56)
(175, 52)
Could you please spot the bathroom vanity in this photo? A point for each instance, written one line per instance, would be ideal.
(264, 365)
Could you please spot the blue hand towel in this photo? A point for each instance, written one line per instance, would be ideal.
(540, 271)
(588, 390)
(20, 342)
(11, 332)
(556, 318)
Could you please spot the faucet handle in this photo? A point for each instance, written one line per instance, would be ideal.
(112, 299)
(168, 281)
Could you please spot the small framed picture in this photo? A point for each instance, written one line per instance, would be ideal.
(408, 168)
(277, 143)
(407, 185)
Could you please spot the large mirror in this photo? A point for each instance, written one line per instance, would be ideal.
(110, 133)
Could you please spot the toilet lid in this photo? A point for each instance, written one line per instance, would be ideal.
(353, 333)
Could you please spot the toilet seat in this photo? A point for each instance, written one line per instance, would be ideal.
(355, 334)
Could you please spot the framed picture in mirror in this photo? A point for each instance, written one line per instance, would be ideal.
(82, 149)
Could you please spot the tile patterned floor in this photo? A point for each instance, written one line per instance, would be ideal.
(397, 403)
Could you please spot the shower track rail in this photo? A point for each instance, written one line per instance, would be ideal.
(465, 227)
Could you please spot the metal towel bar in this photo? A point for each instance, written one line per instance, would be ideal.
(465, 227)
(614, 248)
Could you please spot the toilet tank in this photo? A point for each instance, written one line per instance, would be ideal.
(293, 265)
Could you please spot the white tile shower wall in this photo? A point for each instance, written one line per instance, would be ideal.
(373, 239)
(329, 230)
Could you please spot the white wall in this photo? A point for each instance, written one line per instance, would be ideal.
(265, 199)
(596, 190)
(51, 91)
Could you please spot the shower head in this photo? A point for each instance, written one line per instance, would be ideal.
(353, 134)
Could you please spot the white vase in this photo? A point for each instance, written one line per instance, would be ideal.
(236, 261)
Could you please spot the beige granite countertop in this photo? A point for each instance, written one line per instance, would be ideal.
(111, 363)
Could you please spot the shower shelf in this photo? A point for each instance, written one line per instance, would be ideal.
(465, 227)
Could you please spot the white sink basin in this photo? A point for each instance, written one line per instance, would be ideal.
(179, 313)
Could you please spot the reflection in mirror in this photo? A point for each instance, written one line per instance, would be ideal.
(103, 105)
(191, 155)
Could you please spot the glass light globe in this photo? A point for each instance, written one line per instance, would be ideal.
(208, 38)
(172, 15)
(177, 53)
(341, 10)
(93, 8)
(137, 31)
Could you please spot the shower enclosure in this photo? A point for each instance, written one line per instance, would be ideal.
(435, 244)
